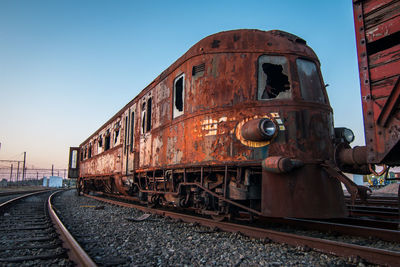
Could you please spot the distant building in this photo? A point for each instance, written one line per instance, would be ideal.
(45, 182)
(53, 181)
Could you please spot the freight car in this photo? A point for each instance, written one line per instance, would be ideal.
(377, 27)
(241, 122)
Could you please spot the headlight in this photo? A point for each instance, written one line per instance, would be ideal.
(259, 130)
(267, 128)
(344, 134)
(348, 135)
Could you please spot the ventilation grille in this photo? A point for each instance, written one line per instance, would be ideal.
(198, 68)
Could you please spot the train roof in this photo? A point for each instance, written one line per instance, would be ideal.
(240, 41)
(233, 41)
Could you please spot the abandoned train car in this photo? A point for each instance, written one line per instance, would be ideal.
(240, 122)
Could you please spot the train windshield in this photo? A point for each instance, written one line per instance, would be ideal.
(273, 78)
(310, 82)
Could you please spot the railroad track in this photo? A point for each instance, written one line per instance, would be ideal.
(31, 233)
(388, 201)
(370, 254)
(10, 193)
(5, 196)
(374, 211)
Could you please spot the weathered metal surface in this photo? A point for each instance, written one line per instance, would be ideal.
(299, 193)
(280, 164)
(355, 156)
(377, 27)
(184, 131)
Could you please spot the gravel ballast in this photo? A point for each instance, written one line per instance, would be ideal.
(109, 236)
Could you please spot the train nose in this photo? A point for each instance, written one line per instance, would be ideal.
(262, 129)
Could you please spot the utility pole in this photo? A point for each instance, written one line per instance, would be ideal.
(11, 173)
(23, 170)
(17, 173)
(52, 169)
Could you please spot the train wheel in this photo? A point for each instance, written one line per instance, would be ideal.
(219, 217)
(154, 201)
(79, 187)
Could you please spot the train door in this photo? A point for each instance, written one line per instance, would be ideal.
(73, 164)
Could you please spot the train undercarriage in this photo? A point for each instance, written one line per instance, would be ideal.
(218, 191)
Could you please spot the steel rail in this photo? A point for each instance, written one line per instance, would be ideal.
(75, 251)
(342, 228)
(372, 255)
(4, 204)
(10, 193)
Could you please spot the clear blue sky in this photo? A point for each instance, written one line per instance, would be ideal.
(67, 66)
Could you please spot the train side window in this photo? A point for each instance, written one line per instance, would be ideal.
(273, 78)
(117, 127)
(148, 119)
(100, 141)
(126, 134)
(107, 141)
(310, 82)
(144, 118)
(90, 151)
(179, 95)
(132, 129)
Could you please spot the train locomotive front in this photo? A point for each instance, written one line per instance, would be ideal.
(240, 123)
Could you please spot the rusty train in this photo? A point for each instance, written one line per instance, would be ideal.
(241, 123)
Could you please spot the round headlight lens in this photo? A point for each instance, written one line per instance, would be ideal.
(348, 135)
(268, 128)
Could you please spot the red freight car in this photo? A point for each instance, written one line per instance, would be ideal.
(241, 122)
(377, 26)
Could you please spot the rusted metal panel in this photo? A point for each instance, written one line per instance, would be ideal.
(385, 71)
(106, 155)
(384, 57)
(370, 6)
(318, 198)
(383, 30)
(377, 25)
(107, 162)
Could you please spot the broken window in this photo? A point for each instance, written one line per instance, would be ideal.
(107, 141)
(132, 129)
(148, 121)
(179, 94)
(310, 82)
(273, 78)
(85, 153)
(100, 140)
(81, 154)
(90, 151)
(117, 127)
(144, 118)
